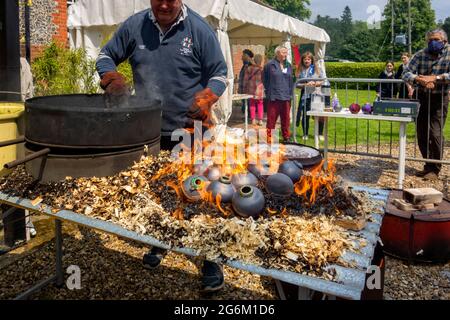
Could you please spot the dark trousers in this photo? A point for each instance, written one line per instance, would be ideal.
(279, 108)
(430, 127)
(303, 108)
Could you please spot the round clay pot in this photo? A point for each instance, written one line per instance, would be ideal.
(248, 202)
(222, 187)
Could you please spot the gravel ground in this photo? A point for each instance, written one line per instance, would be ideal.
(111, 267)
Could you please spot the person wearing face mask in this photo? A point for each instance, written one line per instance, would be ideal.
(387, 90)
(430, 70)
(405, 90)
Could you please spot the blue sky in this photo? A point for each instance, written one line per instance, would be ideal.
(334, 8)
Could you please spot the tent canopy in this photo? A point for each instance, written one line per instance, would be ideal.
(248, 22)
(235, 21)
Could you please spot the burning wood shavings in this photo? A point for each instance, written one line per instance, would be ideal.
(293, 234)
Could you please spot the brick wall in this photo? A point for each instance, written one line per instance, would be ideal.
(60, 21)
(48, 21)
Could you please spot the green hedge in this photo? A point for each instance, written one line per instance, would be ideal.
(369, 70)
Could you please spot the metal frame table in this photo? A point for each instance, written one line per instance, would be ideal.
(403, 121)
(350, 282)
(244, 97)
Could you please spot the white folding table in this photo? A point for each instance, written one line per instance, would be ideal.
(403, 121)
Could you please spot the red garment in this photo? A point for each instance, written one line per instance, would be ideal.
(279, 108)
(253, 81)
(256, 106)
(297, 55)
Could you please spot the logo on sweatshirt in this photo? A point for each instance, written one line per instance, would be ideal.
(186, 46)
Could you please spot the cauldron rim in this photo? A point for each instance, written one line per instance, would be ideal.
(45, 102)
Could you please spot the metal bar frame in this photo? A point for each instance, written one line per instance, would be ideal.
(58, 277)
(350, 283)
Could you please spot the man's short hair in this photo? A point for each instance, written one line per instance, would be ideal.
(440, 31)
(248, 52)
(279, 48)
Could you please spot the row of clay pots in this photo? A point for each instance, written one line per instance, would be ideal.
(241, 189)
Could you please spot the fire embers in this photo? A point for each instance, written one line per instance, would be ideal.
(310, 185)
(248, 202)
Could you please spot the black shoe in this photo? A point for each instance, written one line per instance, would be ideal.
(287, 140)
(212, 279)
(153, 258)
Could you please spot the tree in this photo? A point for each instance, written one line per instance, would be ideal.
(294, 8)
(362, 44)
(333, 27)
(423, 19)
(346, 21)
(446, 25)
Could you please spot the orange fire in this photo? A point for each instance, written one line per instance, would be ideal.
(310, 184)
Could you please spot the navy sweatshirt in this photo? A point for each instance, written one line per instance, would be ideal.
(278, 85)
(170, 67)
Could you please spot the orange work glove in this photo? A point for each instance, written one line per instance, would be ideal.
(201, 107)
(116, 89)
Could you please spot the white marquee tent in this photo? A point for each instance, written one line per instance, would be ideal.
(235, 21)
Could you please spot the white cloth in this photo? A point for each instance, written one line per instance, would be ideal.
(26, 80)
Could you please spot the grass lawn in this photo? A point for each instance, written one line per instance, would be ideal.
(361, 132)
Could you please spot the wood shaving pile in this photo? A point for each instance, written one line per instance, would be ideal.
(302, 238)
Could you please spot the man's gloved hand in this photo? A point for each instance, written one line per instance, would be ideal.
(116, 89)
(426, 81)
(201, 107)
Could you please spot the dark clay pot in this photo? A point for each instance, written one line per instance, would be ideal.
(280, 184)
(244, 179)
(222, 187)
(258, 170)
(213, 173)
(192, 187)
(248, 202)
(293, 169)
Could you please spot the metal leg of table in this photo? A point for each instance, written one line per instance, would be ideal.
(293, 118)
(59, 253)
(280, 290)
(325, 143)
(316, 132)
(58, 277)
(402, 155)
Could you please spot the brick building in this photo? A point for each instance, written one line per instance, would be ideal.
(48, 21)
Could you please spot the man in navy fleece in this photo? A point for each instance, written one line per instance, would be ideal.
(176, 57)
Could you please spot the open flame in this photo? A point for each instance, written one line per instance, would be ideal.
(309, 187)
(313, 182)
